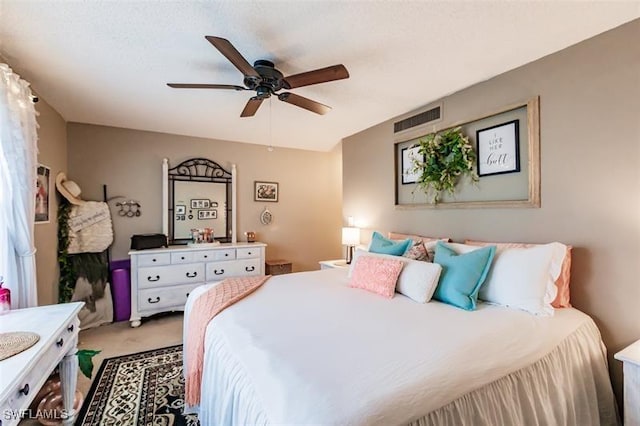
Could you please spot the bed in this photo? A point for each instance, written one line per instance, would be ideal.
(306, 348)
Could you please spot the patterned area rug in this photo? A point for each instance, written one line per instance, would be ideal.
(145, 389)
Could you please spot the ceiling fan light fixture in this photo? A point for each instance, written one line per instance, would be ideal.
(266, 80)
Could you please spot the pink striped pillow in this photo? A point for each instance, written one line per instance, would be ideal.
(377, 275)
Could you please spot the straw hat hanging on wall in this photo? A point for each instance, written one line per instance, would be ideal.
(69, 189)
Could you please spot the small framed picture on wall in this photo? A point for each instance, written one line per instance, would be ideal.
(266, 191)
(499, 149)
(42, 194)
(207, 214)
(410, 156)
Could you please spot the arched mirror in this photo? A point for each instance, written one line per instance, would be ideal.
(198, 193)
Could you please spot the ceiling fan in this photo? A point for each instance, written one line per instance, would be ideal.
(266, 80)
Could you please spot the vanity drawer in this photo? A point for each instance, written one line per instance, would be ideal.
(225, 254)
(24, 392)
(159, 298)
(154, 259)
(217, 271)
(183, 257)
(169, 275)
(248, 253)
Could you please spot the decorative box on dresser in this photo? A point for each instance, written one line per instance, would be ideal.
(630, 356)
(161, 279)
(22, 375)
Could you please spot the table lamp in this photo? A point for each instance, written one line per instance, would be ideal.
(350, 238)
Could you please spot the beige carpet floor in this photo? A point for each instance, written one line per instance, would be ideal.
(120, 339)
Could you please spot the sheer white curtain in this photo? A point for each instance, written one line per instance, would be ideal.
(18, 162)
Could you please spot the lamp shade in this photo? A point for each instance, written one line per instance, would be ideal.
(350, 236)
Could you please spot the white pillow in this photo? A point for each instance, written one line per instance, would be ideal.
(522, 278)
(417, 281)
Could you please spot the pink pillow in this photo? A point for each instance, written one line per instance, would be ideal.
(376, 275)
(563, 297)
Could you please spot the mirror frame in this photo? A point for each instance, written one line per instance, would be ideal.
(197, 170)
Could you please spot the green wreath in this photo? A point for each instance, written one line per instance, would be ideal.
(448, 156)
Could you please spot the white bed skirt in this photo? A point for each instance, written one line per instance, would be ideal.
(560, 382)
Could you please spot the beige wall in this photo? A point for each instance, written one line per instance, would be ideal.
(307, 218)
(590, 169)
(52, 147)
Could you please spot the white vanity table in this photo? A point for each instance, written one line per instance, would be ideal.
(161, 279)
(22, 375)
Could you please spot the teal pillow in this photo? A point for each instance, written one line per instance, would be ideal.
(382, 245)
(462, 275)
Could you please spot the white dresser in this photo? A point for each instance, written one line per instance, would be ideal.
(161, 279)
(22, 375)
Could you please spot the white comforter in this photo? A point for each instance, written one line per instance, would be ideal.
(307, 349)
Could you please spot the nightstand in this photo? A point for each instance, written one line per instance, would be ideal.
(630, 357)
(333, 264)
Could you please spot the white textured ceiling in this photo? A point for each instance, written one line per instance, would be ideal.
(107, 62)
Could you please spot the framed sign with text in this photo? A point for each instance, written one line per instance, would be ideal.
(499, 149)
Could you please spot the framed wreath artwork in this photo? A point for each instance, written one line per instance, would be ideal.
(447, 157)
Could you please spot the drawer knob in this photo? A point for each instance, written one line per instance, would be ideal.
(226, 255)
(188, 294)
(205, 256)
(182, 257)
(157, 278)
(60, 342)
(195, 274)
(154, 301)
(249, 253)
(153, 260)
(215, 271)
(25, 390)
(249, 268)
(70, 328)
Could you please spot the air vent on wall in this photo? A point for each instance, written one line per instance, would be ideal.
(434, 114)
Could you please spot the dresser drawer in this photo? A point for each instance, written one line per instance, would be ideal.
(167, 297)
(247, 253)
(217, 271)
(247, 267)
(205, 255)
(154, 259)
(225, 254)
(183, 257)
(169, 275)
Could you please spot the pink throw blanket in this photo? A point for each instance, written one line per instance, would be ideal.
(207, 306)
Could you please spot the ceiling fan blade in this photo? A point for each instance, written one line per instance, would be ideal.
(205, 86)
(322, 75)
(251, 107)
(303, 102)
(231, 53)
